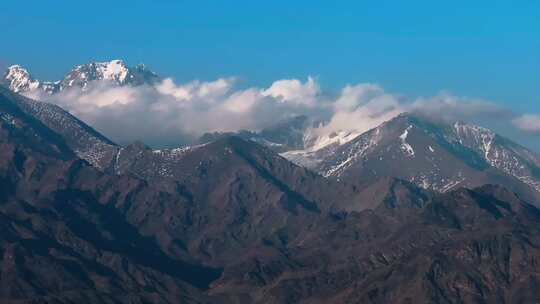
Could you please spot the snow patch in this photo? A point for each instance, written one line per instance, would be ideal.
(405, 146)
(113, 70)
(319, 142)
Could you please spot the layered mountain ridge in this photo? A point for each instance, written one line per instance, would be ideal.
(429, 153)
(87, 143)
(432, 154)
(235, 222)
(448, 154)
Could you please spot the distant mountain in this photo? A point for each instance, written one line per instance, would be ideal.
(287, 134)
(19, 80)
(295, 134)
(433, 155)
(116, 72)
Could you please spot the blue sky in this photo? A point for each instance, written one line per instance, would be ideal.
(485, 49)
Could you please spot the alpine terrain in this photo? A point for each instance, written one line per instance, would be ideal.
(115, 72)
(429, 153)
(413, 211)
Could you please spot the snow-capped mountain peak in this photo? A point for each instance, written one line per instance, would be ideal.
(114, 72)
(18, 79)
(432, 154)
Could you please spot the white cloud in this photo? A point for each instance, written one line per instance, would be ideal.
(528, 123)
(207, 91)
(170, 114)
(173, 114)
(353, 96)
(293, 90)
(451, 107)
(361, 107)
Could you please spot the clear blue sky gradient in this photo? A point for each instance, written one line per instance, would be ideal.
(485, 49)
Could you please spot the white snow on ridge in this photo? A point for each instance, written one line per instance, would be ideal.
(477, 137)
(318, 148)
(507, 158)
(319, 142)
(302, 158)
(357, 150)
(329, 159)
(20, 80)
(113, 70)
(405, 146)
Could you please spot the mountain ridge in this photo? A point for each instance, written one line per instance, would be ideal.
(82, 139)
(429, 153)
(115, 72)
(238, 223)
(485, 157)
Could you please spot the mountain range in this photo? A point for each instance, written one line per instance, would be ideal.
(116, 72)
(439, 155)
(432, 154)
(416, 210)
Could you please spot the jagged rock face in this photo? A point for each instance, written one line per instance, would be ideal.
(432, 155)
(115, 72)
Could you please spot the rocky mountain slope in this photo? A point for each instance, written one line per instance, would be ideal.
(62, 238)
(233, 222)
(442, 253)
(73, 233)
(433, 155)
(87, 143)
(447, 156)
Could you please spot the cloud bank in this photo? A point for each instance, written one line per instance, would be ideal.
(528, 123)
(169, 114)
